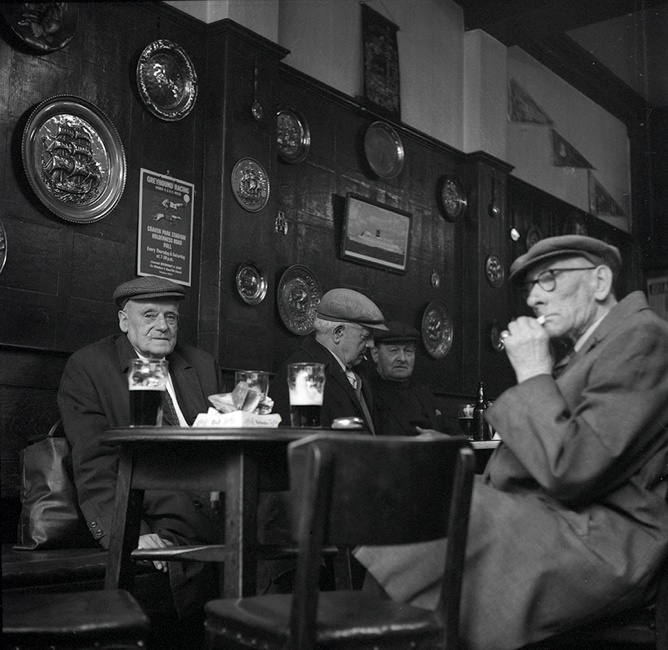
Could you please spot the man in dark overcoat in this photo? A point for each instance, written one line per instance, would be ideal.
(93, 397)
(401, 405)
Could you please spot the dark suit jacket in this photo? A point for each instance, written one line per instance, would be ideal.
(339, 400)
(93, 397)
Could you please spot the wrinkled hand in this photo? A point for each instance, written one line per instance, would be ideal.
(528, 348)
(153, 540)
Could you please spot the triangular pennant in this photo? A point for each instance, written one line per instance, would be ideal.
(522, 107)
(564, 154)
(601, 203)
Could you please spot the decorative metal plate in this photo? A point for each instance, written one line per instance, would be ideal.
(453, 198)
(437, 329)
(166, 80)
(494, 271)
(3, 247)
(495, 337)
(294, 137)
(384, 150)
(251, 283)
(44, 26)
(74, 159)
(298, 297)
(533, 236)
(250, 184)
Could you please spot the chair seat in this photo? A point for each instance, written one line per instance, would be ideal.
(88, 617)
(345, 618)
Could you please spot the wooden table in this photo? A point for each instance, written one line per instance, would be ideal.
(240, 463)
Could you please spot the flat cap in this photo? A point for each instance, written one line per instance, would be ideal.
(348, 306)
(147, 287)
(595, 250)
(397, 332)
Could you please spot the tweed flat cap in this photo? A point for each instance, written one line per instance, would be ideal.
(147, 287)
(397, 332)
(348, 306)
(595, 250)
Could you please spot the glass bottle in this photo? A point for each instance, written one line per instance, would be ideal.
(480, 428)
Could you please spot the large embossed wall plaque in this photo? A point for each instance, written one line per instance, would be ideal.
(250, 184)
(74, 159)
(43, 26)
(166, 80)
(298, 298)
(437, 329)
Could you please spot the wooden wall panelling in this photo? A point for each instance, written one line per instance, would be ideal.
(57, 284)
(485, 304)
(239, 334)
(313, 196)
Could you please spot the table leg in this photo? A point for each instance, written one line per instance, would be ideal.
(241, 499)
(126, 525)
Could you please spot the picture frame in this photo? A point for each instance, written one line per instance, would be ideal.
(380, 53)
(375, 234)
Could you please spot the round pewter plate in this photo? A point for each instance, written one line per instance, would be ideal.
(384, 150)
(44, 26)
(73, 158)
(298, 298)
(437, 329)
(293, 136)
(453, 198)
(251, 283)
(166, 80)
(250, 184)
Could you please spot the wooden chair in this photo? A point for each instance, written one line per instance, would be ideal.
(357, 489)
(84, 619)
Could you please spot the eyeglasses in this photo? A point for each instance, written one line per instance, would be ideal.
(547, 280)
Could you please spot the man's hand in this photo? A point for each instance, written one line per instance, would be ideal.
(153, 540)
(528, 348)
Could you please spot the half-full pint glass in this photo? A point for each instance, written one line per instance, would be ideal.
(306, 383)
(147, 381)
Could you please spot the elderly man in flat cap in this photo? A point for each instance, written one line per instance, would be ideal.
(342, 334)
(400, 404)
(93, 397)
(569, 523)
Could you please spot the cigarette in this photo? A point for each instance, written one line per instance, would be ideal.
(541, 320)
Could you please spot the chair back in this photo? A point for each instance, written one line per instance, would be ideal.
(352, 489)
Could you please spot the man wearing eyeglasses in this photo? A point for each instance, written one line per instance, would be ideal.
(569, 523)
(93, 397)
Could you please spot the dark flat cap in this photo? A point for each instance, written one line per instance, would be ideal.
(348, 306)
(147, 287)
(595, 250)
(397, 332)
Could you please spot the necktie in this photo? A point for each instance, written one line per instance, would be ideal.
(356, 382)
(169, 416)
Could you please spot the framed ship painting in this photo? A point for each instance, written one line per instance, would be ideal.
(375, 234)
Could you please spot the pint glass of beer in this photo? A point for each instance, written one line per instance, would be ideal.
(306, 383)
(147, 381)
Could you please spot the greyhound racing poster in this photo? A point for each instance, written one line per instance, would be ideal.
(165, 227)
